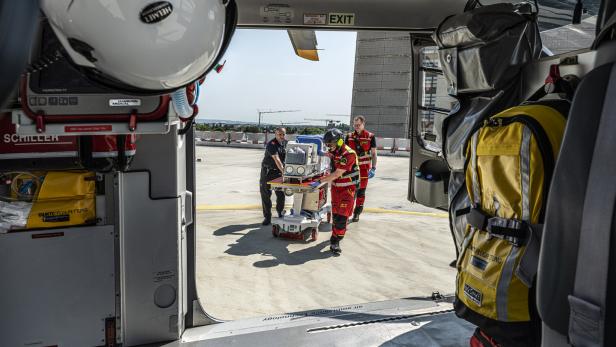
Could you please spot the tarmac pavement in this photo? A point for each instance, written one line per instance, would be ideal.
(397, 250)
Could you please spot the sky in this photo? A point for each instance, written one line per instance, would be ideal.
(262, 72)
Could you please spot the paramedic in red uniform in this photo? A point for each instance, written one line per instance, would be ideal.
(344, 179)
(363, 143)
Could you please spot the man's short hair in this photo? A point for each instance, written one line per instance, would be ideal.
(281, 129)
(361, 118)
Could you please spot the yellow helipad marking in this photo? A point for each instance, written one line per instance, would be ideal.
(412, 213)
(368, 209)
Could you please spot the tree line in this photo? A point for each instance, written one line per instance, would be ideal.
(302, 130)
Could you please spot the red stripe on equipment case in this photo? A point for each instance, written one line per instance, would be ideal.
(87, 128)
(48, 235)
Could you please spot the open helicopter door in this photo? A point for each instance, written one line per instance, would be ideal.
(429, 174)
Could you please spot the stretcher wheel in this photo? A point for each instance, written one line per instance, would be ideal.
(314, 234)
(329, 217)
(310, 234)
(275, 230)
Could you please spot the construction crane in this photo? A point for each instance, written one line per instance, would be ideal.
(265, 112)
(341, 115)
(328, 122)
(282, 123)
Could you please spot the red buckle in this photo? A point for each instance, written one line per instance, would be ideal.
(132, 121)
(40, 123)
(554, 74)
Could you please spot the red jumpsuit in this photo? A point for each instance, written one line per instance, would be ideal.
(362, 144)
(343, 188)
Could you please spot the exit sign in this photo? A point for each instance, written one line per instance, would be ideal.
(341, 19)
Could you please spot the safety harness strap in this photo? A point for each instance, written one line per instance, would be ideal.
(350, 175)
(347, 179)
(588, 302)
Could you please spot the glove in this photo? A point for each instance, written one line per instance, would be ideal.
(371, 173)
(315, 184)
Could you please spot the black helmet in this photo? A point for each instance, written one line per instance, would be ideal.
(333, 136)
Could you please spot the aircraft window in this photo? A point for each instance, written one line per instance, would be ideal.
(558, 33)
(556, 18)
(434, 102)
(434, 91)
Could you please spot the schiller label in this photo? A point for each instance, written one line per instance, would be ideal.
(124, 102)
(14, 146)
(14, 138)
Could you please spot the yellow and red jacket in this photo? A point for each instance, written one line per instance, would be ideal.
(345, 158)
(362, 144)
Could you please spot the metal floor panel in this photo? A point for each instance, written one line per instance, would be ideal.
(405, 322)
(56, 283)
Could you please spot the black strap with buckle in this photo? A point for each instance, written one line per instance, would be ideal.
(518, 233)
(515, 231)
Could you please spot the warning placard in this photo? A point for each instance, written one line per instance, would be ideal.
(315, 19)
(277, 14)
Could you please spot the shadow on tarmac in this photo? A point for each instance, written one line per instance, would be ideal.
(392, 179)
(235, 229)
(257, 239)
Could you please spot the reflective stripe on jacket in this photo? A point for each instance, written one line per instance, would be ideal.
(345, 158)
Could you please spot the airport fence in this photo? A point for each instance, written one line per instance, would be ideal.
(256, 140)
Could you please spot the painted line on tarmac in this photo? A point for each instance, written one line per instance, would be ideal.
(368, 209)
(412, 213)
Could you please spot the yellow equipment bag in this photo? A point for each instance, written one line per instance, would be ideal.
(510, 161)
(65, 198)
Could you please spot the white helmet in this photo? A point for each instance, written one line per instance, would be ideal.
(143, 46)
